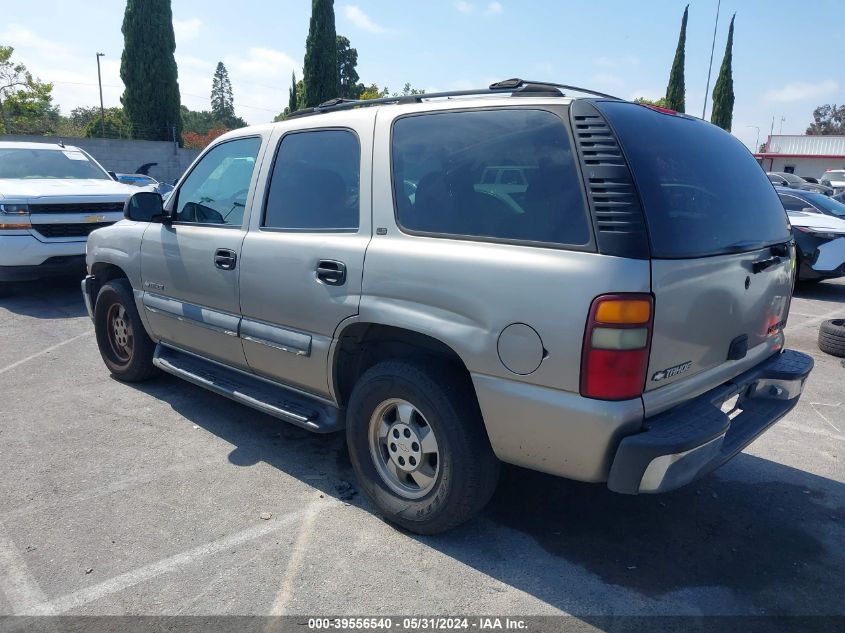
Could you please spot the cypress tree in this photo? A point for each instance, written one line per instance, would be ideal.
(148, 70)
(321, 77)
(292, 96)
(222, 99)
(723, 91)
(676, 90)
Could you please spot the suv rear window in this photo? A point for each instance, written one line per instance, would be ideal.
(444, 176)
(702, 191)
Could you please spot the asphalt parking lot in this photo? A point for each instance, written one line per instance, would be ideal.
(162, 498)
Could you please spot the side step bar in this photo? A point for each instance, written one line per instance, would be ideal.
(252, 391)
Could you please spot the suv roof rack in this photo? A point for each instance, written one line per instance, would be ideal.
(516, 88)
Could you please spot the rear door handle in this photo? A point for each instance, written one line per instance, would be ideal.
(331, 273)
(225, 258)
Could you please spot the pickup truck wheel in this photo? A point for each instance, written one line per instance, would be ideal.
(124, 345)
(832, 337)
(418, 445)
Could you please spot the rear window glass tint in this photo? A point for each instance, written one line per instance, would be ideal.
(703, 191)
(501, 174)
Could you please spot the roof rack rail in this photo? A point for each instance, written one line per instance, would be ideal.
(516, 87)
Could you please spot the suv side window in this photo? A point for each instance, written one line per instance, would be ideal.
(539, 197)
(215, 191)
(315, 183)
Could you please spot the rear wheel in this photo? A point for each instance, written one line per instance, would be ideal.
(832, 337)
(418, 445)
(124, 345)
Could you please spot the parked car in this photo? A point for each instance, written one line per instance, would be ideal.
(783, 179)
(144, 180)
(51, 197)
(794, 200)
(839, 197)
(594, 334)
(834, 178)
(819, 238)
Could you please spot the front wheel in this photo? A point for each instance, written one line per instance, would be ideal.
(418, 445)
(124, 345)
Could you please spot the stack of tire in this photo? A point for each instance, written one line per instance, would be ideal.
(832, 337)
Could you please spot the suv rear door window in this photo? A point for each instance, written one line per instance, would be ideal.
(315, 182)
(449, 159)
(702, 190)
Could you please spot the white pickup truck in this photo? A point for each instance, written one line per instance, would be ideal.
(51, 197)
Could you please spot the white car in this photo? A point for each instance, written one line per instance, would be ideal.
(834, 178)
(51, 198)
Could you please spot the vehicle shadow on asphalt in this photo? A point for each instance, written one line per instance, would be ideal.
(822, 291)
(766, 538)
(58, 298)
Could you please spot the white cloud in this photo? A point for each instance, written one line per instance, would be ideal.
(616, 62)
(607, 79)
(360, 19)
(802, 91)
(464, 7)
(264, 63)
(494, 8)
(21, 38)
(187, 29)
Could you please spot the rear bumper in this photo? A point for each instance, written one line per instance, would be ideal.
(689, 441)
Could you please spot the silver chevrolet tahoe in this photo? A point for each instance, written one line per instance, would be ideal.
(583, 286)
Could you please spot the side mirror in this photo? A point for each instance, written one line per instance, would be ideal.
(145, 206)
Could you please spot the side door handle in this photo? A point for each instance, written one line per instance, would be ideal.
(225, 258)
(331, 273)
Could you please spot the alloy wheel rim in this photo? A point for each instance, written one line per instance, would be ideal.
(404, 448)
(120, 333)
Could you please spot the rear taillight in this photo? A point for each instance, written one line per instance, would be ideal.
(617, 341)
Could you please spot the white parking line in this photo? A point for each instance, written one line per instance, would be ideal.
(130, 579)
(295, 560)
(16, 583)
(814, 405)
(44, 351)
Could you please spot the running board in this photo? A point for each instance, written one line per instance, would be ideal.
(251, 391)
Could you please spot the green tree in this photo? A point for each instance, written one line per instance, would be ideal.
(294, 94)
(347, 60)
(676, 90)
(222, 98)
(660, 103)
(828, 119)
(26, 103)
(321, 76)
(723, 91)
(148, 70)
(203, 121)
(115, 125)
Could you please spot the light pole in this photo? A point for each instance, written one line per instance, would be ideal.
(102, 110)
(757, 144)
(710, 68)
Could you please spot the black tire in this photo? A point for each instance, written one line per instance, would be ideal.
(832, 337)
(131, 362)
(468, 470)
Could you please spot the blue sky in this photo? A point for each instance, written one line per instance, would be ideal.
(787, 57)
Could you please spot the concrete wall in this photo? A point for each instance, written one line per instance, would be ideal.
(125, 156)
(814, 167)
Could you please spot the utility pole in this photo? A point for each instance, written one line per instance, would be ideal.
(710, 68)
(102, 110)
(757, 144)
(781, 125)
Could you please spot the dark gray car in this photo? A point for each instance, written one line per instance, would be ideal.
(784, 179)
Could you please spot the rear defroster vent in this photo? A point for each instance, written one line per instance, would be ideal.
(614, 203)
